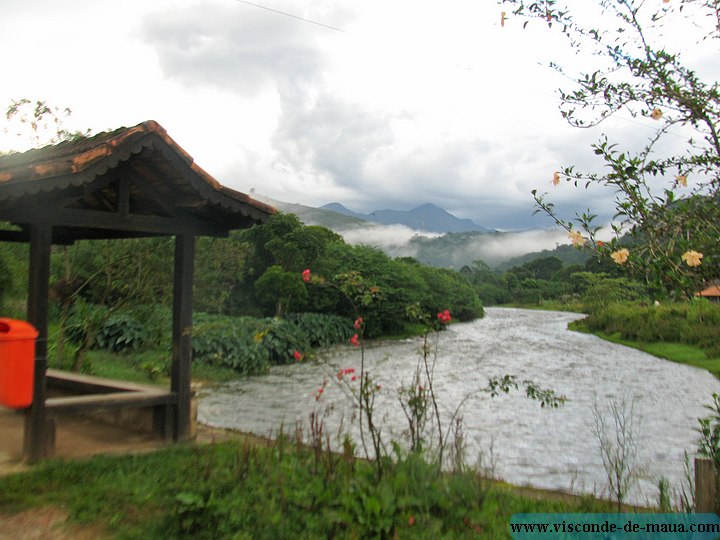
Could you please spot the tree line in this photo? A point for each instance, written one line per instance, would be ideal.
(255, 272)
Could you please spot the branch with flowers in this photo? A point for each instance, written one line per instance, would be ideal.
(360, 294)
(660, 249)
(414, 399)
(667, 195)
(417, 399)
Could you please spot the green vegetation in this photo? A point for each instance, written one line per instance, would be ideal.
(692, 323)
(667, 217)
(282, 490)
(549, 283)
(682, 332)
(252, 307)
(675, 352)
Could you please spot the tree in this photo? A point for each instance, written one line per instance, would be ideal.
(278, 290)
(544, 268)
(667, 199)
(38, 124)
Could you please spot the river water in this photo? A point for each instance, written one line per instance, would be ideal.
(524, 443)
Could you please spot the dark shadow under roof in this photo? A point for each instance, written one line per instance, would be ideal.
(130, 182)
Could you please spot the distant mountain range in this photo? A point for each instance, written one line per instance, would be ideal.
(443, 249)
(425, 218)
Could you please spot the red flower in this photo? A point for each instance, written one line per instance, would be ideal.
(298, 356)
(358, 323)
(444, 316)
(411, 521)
(346, 371)
(353, 378)
(355, 340)
(600, 243)
(306, 275)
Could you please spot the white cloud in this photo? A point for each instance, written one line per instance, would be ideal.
(412, 103)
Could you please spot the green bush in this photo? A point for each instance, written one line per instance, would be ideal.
(281, 339)
(323, 330)
(230, 342)
(692, 323)
(249, 345)
(157, 323)
(121, 332)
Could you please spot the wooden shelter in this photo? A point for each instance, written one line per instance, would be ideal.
(132, 182)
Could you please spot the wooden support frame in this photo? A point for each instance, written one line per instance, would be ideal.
(35, 444)
(128, 183)
(182, 333)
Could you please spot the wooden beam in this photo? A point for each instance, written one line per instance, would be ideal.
(79, 383)
(123, 197)
(93, 219)
(182, 333)
(142, 181)
(106, 402)
(35, 444)
(13, 236)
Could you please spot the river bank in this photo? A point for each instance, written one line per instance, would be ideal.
(682, 353)
(554, 449)
(670, 347)
(274, 489)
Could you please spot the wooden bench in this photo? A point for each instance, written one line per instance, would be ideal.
(86, 393)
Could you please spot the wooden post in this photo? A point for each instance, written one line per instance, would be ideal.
(182, 333)
(36, 439)
(706, 482)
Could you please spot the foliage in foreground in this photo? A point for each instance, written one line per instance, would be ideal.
(283, 490)
(667, 216)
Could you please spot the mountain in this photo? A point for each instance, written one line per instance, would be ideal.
(335, 221)
(427, 218)
(449, 250)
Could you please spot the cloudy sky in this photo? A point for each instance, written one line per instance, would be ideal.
(373, 104)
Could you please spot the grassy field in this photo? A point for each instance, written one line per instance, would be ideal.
(675, 352)
(281, 490)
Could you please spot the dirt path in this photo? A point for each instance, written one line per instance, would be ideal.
(78, 438)
(49, 523)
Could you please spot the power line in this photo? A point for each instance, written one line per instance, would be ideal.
(293, 16)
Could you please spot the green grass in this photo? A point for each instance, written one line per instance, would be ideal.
(548, 305)
(281, 490)
(409, 330)
(676, 352)
(150, 366)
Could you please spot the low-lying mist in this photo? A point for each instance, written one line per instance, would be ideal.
(454, 249)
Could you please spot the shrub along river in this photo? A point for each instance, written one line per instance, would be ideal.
(526, 444)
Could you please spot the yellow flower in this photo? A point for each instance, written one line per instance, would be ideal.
(620, 256)
(576, 238)
(556, 178)
(503, 18)
(692, 258)
(681, 179)
(656, 114)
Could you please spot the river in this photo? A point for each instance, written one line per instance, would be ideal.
(524, 443)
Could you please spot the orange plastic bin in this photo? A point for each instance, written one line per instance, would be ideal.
(17, 362)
